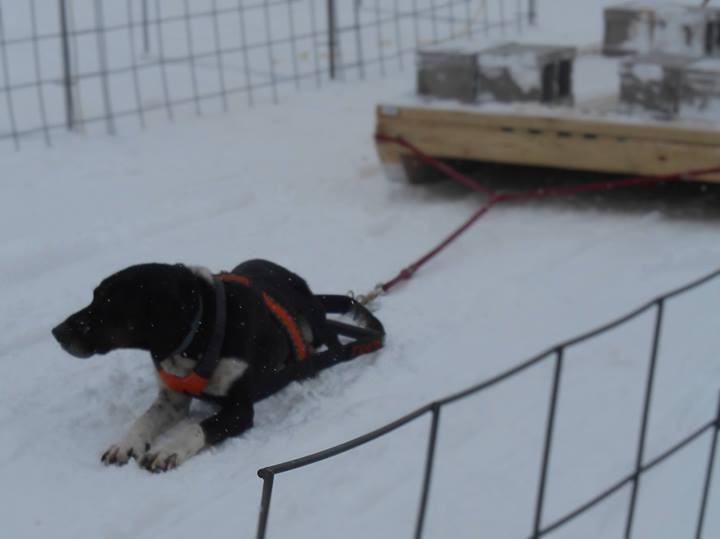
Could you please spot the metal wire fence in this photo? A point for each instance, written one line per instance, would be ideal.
(101, 65)
(555, 356)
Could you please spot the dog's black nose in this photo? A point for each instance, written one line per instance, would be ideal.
(60, 331)
(67, 336)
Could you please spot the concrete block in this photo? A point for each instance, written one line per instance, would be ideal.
(700, 96)
(641, 27)
(671, 86)
(520, 72)
(447, 74)
(507, 73)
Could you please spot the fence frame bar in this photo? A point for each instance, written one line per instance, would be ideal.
(268, 479)
(547, 444)
(429, 461)
(660, 305)
(708, 475)
(558, 351)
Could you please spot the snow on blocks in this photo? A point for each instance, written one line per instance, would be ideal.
(517, 72)
(640, 27)
(669, 86)
(512, 72)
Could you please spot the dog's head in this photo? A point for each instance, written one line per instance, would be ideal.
(145, 306)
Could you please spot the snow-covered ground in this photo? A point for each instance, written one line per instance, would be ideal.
(301, 184)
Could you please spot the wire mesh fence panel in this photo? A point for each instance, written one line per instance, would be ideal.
(334, 483)
(594, 461)
(101, 66)
(495, 489)
(598, 414)
(602, 520)
(31, 97)
(668, 503)
(684, 323)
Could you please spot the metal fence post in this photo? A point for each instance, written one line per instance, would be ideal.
(532, 11)
(146, 27)
(358, 41)
(67, 70)
(104, 71)
(547, 444)
(332, 37)
(267, 478)
(429, 461)
(708, 475)
(645, 417)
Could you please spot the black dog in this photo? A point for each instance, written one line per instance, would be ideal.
(232, 339)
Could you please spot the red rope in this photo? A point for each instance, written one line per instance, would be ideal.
(495, 197)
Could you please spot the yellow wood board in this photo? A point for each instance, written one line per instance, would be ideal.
(550, 141)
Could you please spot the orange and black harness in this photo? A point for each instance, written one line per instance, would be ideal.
(358, 339)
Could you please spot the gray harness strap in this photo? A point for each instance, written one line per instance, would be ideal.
(210, 359)
(193, 330)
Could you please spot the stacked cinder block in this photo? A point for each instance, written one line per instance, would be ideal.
(519, 72)
(701, 89)
(653, 82)
(669, 85)
(512, 72)
(628, 29)
(449, 73)
(640, 27)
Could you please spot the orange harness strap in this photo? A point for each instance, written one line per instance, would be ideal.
(282, 316)
(193, 383)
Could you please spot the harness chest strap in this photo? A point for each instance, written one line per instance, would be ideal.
(196, 381)
(193, 383)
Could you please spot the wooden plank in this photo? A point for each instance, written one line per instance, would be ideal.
(555, 122)
(550, 142)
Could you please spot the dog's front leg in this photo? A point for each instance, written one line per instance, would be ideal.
(169, 408)
(232, 419)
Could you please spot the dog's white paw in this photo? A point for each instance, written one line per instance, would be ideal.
(160, 461)
(184, 442)
(122, 452)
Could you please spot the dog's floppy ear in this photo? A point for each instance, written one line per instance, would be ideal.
(189, 295)
(174, 310)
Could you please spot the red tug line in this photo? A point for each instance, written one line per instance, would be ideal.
(495, 198)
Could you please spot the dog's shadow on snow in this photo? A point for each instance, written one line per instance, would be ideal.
(678, 200)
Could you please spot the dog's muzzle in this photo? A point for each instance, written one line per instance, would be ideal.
(71, 339)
